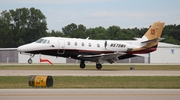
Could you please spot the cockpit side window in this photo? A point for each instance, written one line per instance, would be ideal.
(48, 42)
(39, 41)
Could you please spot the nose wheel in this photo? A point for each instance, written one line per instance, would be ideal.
(30, 60)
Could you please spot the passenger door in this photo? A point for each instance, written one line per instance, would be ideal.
(61, 46)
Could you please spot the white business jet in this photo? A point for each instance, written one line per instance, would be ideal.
(95, 50)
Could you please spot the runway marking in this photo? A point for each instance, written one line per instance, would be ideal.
(90, 95)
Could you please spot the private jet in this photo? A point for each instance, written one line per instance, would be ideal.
(95, 50)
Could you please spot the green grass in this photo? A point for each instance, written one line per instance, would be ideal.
(89, 67)
(164, 82)
(160, 82)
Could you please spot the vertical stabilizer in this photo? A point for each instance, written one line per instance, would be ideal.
(151, 38)
(154, 32)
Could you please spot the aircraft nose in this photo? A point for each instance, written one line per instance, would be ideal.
(22, 48)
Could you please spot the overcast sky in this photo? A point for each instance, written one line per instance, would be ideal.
(105, 13)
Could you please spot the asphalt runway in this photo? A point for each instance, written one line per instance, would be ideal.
(90, 72)
(89, 94)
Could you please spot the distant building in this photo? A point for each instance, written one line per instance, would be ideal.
(8, 56)
(165, 54)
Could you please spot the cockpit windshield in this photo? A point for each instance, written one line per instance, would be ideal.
(39, 41)
(44, 41)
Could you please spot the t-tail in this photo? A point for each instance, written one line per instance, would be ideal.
(151, 38)
(154, 32)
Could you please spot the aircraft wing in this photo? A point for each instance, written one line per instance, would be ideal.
(110, 57)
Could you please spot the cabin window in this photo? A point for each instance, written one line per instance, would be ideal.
(89, 44)
(75, 43)
(82, 44)
(98, 45)
(68, 43)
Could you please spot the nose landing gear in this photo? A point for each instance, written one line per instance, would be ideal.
(30, 60)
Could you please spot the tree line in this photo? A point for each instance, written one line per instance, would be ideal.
(23, 25)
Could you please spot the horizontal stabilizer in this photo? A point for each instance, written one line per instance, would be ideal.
(137, 38)
(153, 40)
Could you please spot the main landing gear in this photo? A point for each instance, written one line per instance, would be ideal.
(82, 65)
(98, 66)
(30, 60)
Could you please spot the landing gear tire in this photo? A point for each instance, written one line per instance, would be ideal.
(30, 61)
(82, 66)
(98, 66)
